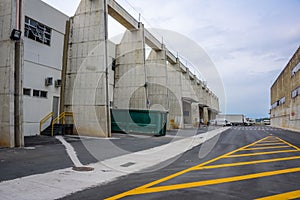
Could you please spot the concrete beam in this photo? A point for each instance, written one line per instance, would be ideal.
(152, 42)
(124, 18)
(192, 76)
(121, 15)
(183, 68)
(170, 57)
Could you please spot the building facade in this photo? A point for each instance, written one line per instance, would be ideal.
(285, 96)
(43, 52)
(68, 64)
(30, 67)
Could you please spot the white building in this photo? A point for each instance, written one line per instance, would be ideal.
(43, 51)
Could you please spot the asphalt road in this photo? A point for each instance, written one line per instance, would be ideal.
(44, 154)
(243, 163)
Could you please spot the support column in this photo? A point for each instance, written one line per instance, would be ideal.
(175, 95)
(156, 73)
(206, 115)
(87, 73)
(130, 73)
(11, 68)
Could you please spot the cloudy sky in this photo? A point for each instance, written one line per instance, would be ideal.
(249, 41)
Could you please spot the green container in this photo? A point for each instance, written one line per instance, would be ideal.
(139, 121)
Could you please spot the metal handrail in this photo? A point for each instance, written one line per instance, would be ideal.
(62, 116)
(44, 120)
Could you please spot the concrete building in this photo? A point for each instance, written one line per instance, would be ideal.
(68, 64)
(101, 75)
(39, 65)
(285, 96)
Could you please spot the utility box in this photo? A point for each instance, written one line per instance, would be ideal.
(139, 121)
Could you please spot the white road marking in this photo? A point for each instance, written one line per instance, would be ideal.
(60, 183)
(70, 151)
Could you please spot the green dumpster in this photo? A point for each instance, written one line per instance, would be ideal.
(139, 121)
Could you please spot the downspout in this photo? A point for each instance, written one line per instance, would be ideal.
(18, 82)
(108, 128)
(64, 66)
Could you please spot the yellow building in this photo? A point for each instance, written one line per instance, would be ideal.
(285, 96)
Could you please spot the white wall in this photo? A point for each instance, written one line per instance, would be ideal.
(42, 61)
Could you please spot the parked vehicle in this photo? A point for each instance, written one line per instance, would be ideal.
(220, 122)
(266, 122)
(251, 121)
(234, 119)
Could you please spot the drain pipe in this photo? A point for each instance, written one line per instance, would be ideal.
(18, 104)
(108, 125)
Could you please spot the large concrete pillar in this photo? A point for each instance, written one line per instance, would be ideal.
(206, 115)
(87, 73)
(11, 65)
(130, 73)
(189, 98)
(175, 95)
(195, 104)
(157, 76)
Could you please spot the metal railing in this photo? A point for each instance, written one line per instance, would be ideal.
(62, 119)
(46, 118)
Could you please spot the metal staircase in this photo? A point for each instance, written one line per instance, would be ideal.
(61, 125)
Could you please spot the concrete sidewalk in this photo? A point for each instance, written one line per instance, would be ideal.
(56, 183)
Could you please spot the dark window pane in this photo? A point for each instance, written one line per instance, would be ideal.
(36, 93)
(26, 91)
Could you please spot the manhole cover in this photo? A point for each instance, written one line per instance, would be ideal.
(83, 169)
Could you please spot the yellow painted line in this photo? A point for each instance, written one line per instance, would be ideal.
(260, 148)
(124, 194)
(267, 144)
(249, 162)
(271, 141)
(289, 144)
(261, 153)
(146, 188)
(213, 182)
(288, 195)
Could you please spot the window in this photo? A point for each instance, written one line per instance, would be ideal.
(274, 105)
(40, 93)
(296, 92)
(36, 93)
(278, 103)
(26, 91)
(37, 31)
(295, 69)
(43, 94)
(282, 101)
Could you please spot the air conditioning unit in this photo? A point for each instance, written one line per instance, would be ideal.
(58, 83)
(49, 81)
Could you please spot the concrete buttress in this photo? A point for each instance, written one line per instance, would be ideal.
(130, 77)
(88, 71)
(11, 69)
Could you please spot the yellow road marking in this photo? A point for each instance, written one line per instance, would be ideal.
(124, 194)
(260, 148)
(289, 144)
(261, 153)
(146, 188)
(213, 182)
(270, 141)
(249, 162)
(288, 195)
(267, 144)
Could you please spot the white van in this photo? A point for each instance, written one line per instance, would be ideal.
(220, 122)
